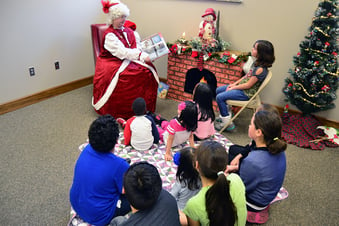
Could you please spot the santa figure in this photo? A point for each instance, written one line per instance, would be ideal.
(207, 26)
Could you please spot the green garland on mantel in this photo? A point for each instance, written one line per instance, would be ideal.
(218, 52)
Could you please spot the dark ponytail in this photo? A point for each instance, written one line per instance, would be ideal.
(212, 159)
(219, 204)
(270, 124)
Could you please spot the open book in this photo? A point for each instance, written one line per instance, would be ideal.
(155, 46)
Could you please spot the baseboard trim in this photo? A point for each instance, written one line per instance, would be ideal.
(43, 95)
(35, 98)
(322, 120)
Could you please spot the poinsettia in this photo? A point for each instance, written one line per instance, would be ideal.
(194, 54)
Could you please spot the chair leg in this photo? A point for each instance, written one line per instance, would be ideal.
(236, 115)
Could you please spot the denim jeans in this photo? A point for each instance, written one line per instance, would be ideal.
(223, 96)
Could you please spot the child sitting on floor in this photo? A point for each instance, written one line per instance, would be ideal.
(203, 97)
(179, 129)
(96, 190)
(151, 205)
(237, 152)
(140, 131)
(263, 170)
(221, 200)
(188, 181)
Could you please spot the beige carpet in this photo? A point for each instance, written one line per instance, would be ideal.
(39, 146)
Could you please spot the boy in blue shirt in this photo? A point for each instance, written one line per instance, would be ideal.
(96, 192)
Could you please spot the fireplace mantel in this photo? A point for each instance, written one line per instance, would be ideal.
(178, 65)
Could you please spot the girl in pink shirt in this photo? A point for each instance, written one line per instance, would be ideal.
(179, 129)
(203, 97)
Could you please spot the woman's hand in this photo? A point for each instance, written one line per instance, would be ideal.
(148, 60)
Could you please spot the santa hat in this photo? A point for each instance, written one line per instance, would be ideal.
(209, 11)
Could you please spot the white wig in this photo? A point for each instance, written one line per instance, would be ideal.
(117, 11)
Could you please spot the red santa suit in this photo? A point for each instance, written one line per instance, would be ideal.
(121, 75)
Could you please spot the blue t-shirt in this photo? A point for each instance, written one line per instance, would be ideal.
(263, 175)
(97, 185)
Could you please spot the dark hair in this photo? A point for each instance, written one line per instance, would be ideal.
(212, 158)
(268, 107)
(265, 54)
(270, 125)
(203, 96)
(188, 117)
(139, 106)
(142, 184)
(186, 172)
(103, 133)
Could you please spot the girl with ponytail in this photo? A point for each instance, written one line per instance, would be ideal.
(221, 200)
(263, 170)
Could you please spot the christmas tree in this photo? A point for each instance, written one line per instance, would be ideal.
(314, 81)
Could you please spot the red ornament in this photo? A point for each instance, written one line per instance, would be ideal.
(334, 54)
(289, 85)
(298, 54)
(194, 54)
(226, 53)
(325, 88)
(316, 63)
(286, 108)
(327, 44)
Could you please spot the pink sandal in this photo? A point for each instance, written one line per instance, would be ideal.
(282, 194)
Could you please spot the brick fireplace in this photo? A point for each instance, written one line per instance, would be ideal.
(179, 65)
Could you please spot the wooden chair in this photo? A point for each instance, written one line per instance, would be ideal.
(252, 103)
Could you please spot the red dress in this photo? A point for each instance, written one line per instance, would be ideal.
(119, 79)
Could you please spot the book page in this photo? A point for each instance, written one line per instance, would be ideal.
(155, 46)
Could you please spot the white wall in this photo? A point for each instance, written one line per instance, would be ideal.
(37, 33)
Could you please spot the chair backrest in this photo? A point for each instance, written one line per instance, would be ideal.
(255, 101)
(265, 82)
(97, 31)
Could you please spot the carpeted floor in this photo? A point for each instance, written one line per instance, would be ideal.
(39, 146)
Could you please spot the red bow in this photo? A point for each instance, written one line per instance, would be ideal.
(106, 5)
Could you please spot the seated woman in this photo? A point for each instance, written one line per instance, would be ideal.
(123, 71)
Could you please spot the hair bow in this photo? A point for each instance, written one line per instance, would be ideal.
(182, 106)
(176, 158)
(106, 5)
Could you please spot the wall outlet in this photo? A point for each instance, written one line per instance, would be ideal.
(56, 65)
(31, 71)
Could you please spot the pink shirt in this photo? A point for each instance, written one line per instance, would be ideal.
(180, 133)
(205, 129)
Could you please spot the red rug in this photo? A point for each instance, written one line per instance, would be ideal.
(300, 130)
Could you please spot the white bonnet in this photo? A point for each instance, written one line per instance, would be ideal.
(114, 9)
